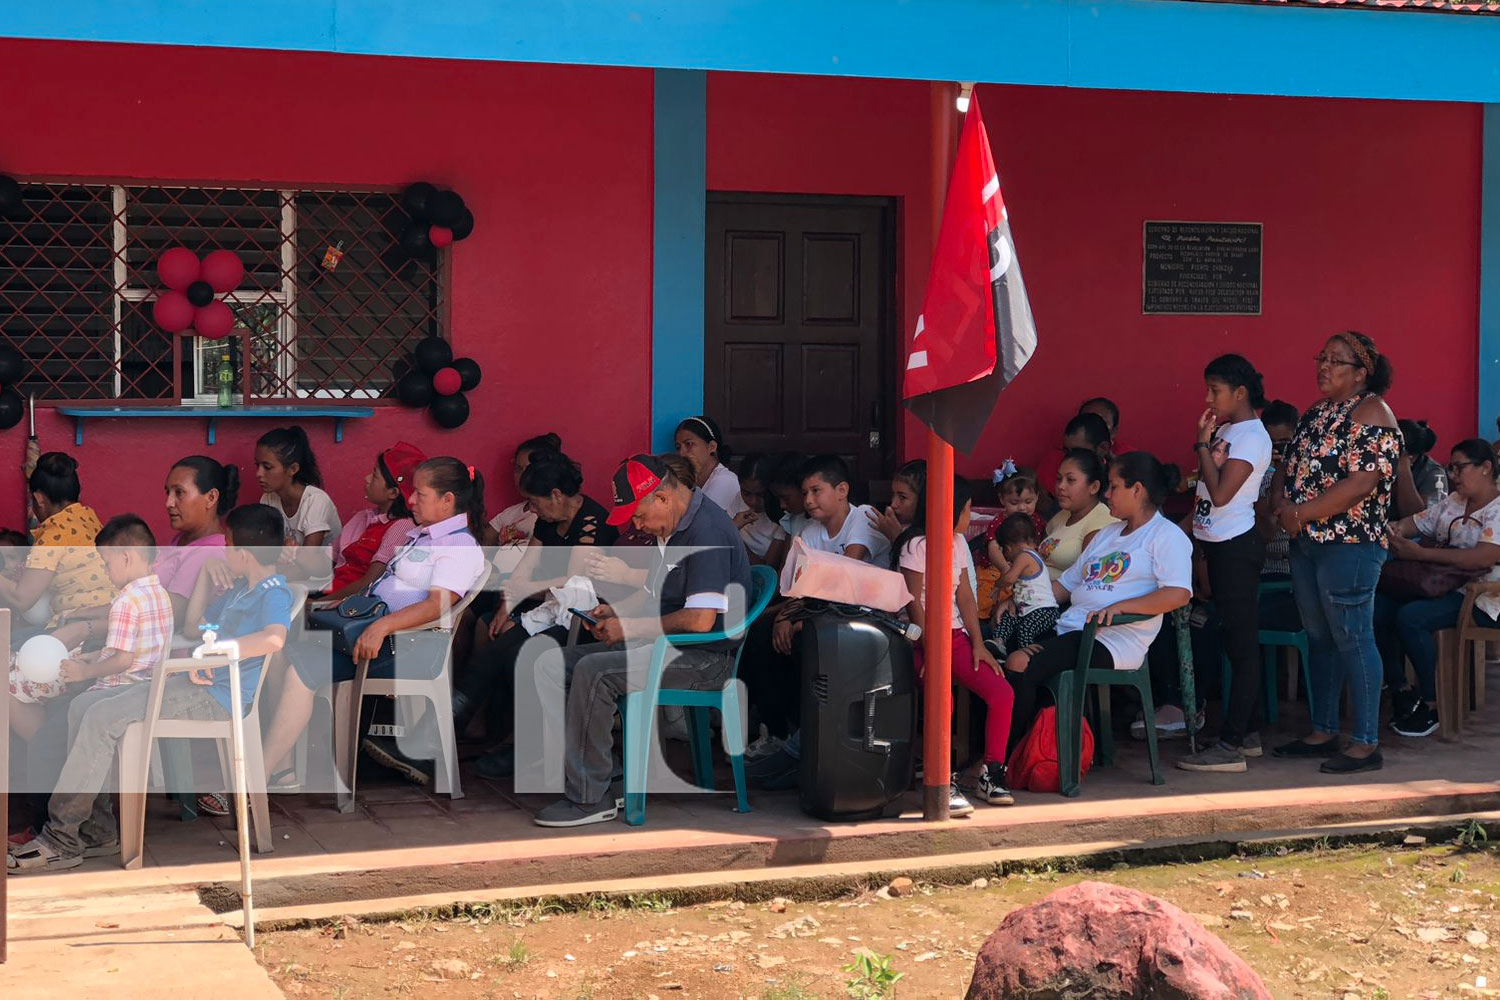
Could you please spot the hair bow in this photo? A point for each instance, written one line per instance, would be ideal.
(1006, 470)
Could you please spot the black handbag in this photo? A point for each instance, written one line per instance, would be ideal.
(1418, 580)
(349, 620)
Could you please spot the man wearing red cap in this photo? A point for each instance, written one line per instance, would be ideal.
(700, 560)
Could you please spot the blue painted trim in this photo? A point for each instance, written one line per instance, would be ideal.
(680, 158)
(1128, 44)
(1489, 275)
(213, 415)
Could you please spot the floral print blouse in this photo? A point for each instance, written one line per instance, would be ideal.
(1328, 447)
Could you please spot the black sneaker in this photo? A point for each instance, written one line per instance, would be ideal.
(383, 750)
(991, 787)
(1403, 703)
(1423, 721)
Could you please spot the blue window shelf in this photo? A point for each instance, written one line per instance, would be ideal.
(213, 414)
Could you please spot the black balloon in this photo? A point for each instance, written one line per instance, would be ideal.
(450, 411)
(402, 366)
(468, 370)
(10, 197)
(414, 389)
(12, 365)
(445, 208)
(13, 408)
(200, 293)
(433, 353)
(414, 240)
(464, 226)
(415, 198)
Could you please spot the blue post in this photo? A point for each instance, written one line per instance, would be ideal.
(679, 217)
(1489, 276)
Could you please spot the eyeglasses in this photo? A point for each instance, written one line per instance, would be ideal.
(1323, 359)
(1454, 468)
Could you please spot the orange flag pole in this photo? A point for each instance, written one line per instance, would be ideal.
(937, 684)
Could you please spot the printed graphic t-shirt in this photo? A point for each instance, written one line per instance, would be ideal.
(1117, 567)
(1245, 441)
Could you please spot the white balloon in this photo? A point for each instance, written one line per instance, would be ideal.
(40, 659)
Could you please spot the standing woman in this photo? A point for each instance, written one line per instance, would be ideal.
(1334, 497)
(698, 440)
(1234, 452)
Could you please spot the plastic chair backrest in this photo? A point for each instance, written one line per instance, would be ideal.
(763, 588)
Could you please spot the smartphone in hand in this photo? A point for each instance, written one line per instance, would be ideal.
(587, 618)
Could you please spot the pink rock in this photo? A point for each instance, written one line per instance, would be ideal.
(1106, 942)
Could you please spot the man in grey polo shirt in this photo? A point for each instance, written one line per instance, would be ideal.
(700, 565)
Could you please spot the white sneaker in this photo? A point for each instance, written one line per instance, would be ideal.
(1171, 724)
(764, 745)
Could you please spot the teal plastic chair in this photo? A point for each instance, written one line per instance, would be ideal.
(1070, 692)
(1270, 640)
(638, 709)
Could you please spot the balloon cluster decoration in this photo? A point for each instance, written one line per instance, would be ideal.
(11, 205)
(438, 380)
(438, 220)
(12, 403)
(190, 302)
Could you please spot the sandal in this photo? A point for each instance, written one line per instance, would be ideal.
(213, 804)
(37, 855)
(284, 782)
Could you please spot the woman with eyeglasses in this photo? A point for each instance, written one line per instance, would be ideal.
(1333, 495)
(1463, 531)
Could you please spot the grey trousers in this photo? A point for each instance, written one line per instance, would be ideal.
(79, 813)
(593, 680)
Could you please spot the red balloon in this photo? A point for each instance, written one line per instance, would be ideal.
(178, 268)
(214, 320)
(172, 312)
(447, 381)
(223, 269)
(441, 236)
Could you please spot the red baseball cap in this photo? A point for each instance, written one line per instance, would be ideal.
(401, 461)
(636, 479)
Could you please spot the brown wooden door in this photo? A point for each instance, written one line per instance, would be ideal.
(800, 348)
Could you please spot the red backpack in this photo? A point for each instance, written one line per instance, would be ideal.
(1033, 765)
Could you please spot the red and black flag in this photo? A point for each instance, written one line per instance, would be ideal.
(975, 332)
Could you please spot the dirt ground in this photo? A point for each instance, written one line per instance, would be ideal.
(1352, 924)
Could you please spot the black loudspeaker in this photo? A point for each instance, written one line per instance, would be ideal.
(859, 717)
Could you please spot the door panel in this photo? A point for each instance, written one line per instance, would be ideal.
(800, 343)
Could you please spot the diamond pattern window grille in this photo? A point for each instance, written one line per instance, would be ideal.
(78, 278)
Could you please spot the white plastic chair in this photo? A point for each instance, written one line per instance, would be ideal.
(135, 752)
(347, 697)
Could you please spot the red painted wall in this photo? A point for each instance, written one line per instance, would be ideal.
(550, 295)
(1370, 208)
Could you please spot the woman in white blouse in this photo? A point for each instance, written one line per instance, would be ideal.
(699, 441)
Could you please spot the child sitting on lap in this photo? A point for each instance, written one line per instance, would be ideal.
(256, 613)
(1031, 612)
(139, 632)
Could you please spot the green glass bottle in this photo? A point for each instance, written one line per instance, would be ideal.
(226, 381)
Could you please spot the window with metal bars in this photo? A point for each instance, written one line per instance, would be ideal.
(327, 308)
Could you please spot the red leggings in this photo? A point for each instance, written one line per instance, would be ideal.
(999, 698)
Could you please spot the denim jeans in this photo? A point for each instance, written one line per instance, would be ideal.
(1412, 625)
(1334, 584)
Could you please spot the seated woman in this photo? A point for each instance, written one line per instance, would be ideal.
(566, 519)
(1462, 531)
(1080, 485)
(438, 566)
(365, 545)
(61, 564)
(200, 493)
(1141, 564)
(1427, 475)
(292, 486)
(698, 440)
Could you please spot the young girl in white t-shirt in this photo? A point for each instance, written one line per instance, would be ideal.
(291, 484)
(974, 666)
(1234, 452)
